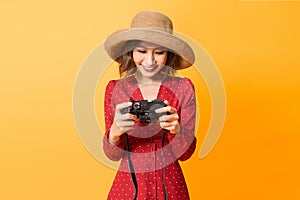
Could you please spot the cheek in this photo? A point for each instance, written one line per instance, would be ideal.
(162, 60)
(137, 58)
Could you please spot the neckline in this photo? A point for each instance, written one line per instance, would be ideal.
(158, 91)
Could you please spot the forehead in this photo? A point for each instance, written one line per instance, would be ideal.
(149, 45)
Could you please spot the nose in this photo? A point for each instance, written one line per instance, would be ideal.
(149, 59)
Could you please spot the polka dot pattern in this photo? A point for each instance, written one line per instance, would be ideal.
(146, 146)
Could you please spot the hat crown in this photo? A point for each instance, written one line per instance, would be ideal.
(151, 19)
(153, 27)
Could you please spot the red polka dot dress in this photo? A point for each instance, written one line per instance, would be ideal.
(155, 164)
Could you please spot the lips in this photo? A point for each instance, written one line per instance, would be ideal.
(149, 68)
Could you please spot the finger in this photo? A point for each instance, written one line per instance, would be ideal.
(169, 109)
(126, 116)
(173, 128)
(125, 129)
(168, 124)
(121, 106)
(162, 110)
(124, 124)
(169, 118)
(166, 102)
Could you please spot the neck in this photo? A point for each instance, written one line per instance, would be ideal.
(147, 80)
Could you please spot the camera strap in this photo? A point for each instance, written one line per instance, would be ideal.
(164, 132)
(131, 169)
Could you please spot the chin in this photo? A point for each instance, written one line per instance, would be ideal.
(149, 75)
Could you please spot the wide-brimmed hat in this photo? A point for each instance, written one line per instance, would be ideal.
(153, 27)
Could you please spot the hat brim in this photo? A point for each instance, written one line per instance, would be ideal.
(114, 45)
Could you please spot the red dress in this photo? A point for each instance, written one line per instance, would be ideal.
(145, 143)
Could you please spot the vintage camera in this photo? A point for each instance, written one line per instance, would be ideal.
(145, 110)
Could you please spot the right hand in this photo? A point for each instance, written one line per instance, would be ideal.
(122, 123)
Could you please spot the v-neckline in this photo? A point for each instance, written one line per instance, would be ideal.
(157, 93)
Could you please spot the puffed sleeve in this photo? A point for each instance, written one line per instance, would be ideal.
(184, 142)
(112, 151)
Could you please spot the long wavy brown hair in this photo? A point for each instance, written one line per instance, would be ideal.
(127, 66)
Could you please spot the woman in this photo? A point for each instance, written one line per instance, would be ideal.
(150, 142)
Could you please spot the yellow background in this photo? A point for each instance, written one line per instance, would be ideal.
(255, 44)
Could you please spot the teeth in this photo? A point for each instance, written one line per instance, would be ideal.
(149, 67)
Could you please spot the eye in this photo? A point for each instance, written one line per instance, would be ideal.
(140, 50)
(159, 52)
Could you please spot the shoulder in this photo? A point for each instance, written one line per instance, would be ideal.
(187, 81)
(122, 85)
(111, 85)
(121, 81)
(183, 82)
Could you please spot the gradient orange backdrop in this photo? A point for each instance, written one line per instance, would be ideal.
(255, 45)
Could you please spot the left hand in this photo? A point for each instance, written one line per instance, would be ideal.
(169, 122)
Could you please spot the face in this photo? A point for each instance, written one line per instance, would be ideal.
(149, 59)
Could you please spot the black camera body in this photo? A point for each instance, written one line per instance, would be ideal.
(145, 110)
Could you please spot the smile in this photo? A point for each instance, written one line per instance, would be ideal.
(149, 68)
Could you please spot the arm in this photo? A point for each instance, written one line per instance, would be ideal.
(112, 151)
(116, 123)
(182, 129)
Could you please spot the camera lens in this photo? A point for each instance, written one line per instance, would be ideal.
(136, 106)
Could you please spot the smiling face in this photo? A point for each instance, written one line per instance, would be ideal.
(149, 59)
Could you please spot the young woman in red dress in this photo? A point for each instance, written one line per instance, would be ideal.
(149, 56)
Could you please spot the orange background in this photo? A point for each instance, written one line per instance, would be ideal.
(255, 45)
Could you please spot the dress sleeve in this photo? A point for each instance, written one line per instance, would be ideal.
(184, 143)
(112, 151)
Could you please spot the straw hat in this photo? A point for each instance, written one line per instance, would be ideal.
(154, 27)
